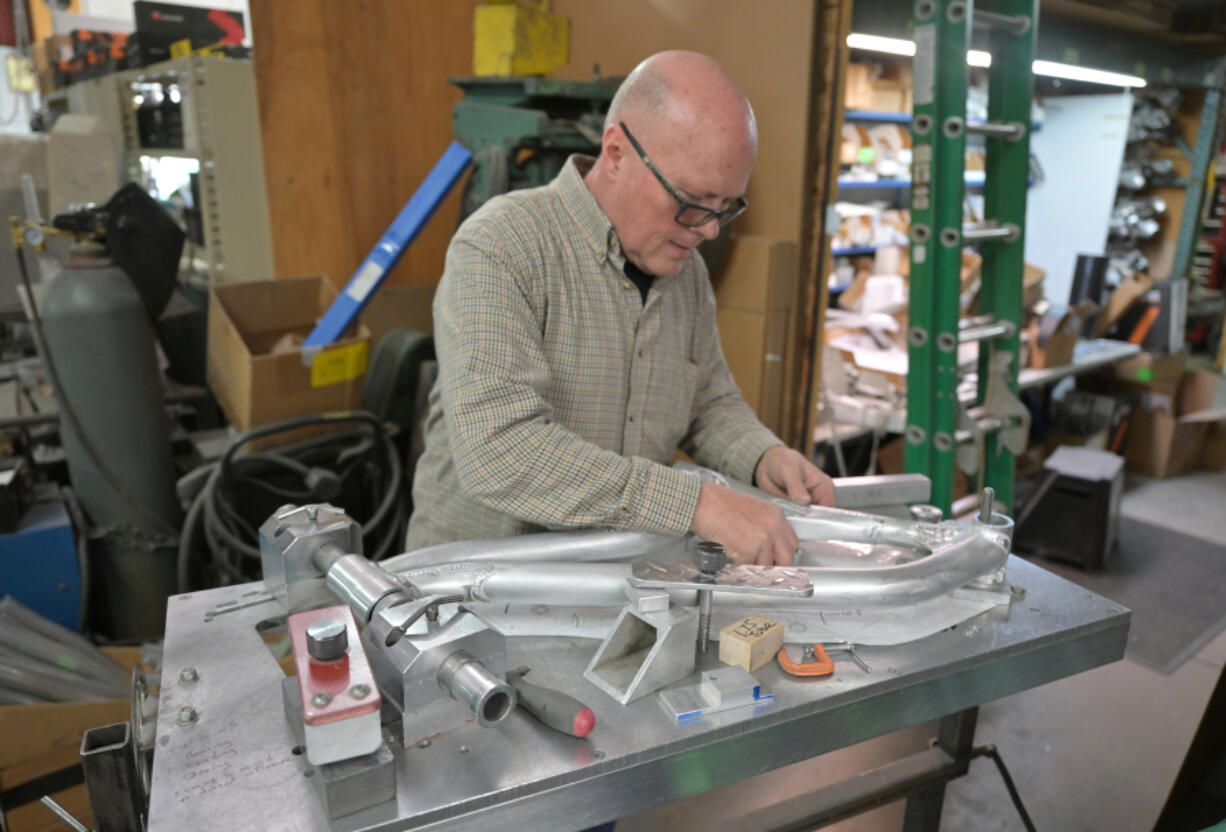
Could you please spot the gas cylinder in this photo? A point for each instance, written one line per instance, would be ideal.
(97, 333)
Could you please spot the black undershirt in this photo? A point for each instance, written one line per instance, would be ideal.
(641, 279)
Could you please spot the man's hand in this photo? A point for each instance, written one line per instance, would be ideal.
(785, 473)
(752, 530)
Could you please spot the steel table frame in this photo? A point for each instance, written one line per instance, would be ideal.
(234, 768)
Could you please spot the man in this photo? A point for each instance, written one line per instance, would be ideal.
(575, 329)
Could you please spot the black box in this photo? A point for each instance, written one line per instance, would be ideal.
(1075, 512)
(158, 25)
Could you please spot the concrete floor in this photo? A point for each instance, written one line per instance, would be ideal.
(1097, 751)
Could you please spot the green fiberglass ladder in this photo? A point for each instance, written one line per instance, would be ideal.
(981, 435)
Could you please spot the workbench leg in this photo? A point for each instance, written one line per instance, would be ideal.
(956, 736)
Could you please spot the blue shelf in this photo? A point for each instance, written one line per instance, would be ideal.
(900, 118)
(872, 115)
(974, 179)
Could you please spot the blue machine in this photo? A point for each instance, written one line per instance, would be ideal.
(38, 564)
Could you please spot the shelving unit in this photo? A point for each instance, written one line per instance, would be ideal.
(221, 132)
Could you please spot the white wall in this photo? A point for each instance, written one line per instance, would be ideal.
(1080, 147)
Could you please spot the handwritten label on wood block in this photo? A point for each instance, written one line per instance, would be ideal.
(751, 642)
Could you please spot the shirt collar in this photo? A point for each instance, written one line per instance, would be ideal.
(592, 222)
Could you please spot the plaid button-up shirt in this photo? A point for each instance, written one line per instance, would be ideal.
(562, 396)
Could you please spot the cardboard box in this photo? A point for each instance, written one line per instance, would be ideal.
(1150, 368)
(43, 739)
(755, 301)
(1213, 456)
(858, 90)
(1122, 298)
(255, 387)
(1164, 444)
(1052, 345)
(759, 275)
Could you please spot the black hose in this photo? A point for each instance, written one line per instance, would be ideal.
(229, 536)
(991, 751)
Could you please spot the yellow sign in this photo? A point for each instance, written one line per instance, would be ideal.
(341, 364)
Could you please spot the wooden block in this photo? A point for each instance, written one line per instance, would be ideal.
(751, 642)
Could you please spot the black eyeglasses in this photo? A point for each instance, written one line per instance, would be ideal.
(689, 214)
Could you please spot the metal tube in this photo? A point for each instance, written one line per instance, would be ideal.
(1011, 130)
(361, 584)
(116, 796)
(466, 679)
(1013, 24)
(585, 545)
(704, 619)
(958, 554)
(981, 233)
(983, 332)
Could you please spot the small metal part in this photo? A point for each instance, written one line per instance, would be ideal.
(926, 513)
(62, 813)
(359, 691)
(327, 639)
(990, 231)
(490, 698)
(187, 715)
(986, 503)
(719, 690)
(321, 699)
(709, 557)
(189, 676)
(850, 649)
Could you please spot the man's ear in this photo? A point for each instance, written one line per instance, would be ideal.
(613, 148)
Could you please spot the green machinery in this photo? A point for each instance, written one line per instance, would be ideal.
(943, 431)
(521, 129)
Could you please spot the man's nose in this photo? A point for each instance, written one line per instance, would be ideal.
(710, 229)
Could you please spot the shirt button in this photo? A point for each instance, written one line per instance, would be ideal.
(632, 418)
(628, 286)
(640, 353)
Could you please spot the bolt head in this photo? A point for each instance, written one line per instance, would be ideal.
(327, 639)
(710, 557)
(187, 715)
(188, 676)
(321, 699)
(359, 691)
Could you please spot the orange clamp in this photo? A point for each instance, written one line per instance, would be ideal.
(821, 664)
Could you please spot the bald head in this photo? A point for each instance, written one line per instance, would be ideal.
(681, 95)
(680, 137)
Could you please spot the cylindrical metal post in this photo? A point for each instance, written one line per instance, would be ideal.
(985, 331)
(466, 679)
(981, 233)
(362, 584)
(1012, 131)
(986, 503)
(1013, 24)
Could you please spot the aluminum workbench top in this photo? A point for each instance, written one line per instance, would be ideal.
(234, 768)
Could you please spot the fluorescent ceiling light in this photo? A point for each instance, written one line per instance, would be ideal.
(1081, 73)
(975, 57)
(894, 46)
